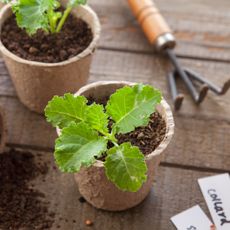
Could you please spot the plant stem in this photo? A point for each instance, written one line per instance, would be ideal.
(115, 144)
(63, 19)
(51, 21)
(109, 136)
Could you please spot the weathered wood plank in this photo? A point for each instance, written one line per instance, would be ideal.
(201, 27)
(109, 65)
(174, 191)
(197, 142)
(6, 86)
(25, 127)
(153, 70)
(202, 143)
(212, 144)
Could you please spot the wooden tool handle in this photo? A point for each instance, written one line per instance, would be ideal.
(150, 19)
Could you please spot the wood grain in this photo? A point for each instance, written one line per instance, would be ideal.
(202, 135)
(201, 27)
(150, 19)
(110, 65)
(152, 69)
(165, 200)
(197, 142)
(201, 143)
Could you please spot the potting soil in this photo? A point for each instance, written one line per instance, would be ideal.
(146, 138)
(74, 37)
(22, 206)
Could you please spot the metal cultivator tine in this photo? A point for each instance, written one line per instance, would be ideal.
(198, 97)
(160, 35)
(177, 97)
(216, 89)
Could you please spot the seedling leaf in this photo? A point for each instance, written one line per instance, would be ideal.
(77, 2)
(131, 107)
(78, 146)
(86, 133)
(61, 111)
(32, 14)
(97, 118)
(125, 167)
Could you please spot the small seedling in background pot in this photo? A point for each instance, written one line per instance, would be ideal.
(32, 15)
(85, 133)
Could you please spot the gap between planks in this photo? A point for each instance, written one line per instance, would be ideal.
(109, 65)
(174, 190)
(202, 34)
(154, 53)
(162, 164)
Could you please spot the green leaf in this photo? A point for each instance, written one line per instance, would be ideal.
(32, 14)
(78, 146)
(125, 167)
(97, 118)
(6, 1)
(77, 2)
(131, 107)
(53, 19)
(61, 111)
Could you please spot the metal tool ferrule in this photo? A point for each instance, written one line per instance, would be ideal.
(165, 41)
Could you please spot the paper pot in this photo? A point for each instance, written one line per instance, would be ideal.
(93, 183)
(36, 82)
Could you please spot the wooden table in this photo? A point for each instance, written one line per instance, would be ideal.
(201, 143)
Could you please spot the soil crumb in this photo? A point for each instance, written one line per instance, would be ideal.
(21, 206)
(147, 138)
(74, 37)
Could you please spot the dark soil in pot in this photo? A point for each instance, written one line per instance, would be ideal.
(21, 206)
(74, 37)
(147, 138)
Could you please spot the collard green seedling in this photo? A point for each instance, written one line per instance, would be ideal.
(85, 133)
(32, 15)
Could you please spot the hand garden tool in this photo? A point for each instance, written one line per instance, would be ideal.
(159, 34)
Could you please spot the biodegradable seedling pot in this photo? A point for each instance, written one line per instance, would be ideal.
(2, 130)
(36, 82)
(93, 183)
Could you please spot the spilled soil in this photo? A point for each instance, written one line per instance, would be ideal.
(22, 206)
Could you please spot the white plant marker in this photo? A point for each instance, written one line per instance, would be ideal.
(192, 219)
(216, 191)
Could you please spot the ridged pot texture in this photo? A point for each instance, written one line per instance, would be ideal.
(93, 183)
(37, 82)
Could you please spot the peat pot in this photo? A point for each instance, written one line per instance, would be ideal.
(93, 183)
(36, 82)
(2, 130)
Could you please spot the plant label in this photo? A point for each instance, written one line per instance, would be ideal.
(216, 191)
(192, 219)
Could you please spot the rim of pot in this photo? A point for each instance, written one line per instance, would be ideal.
(168, 119)
(96, 29)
